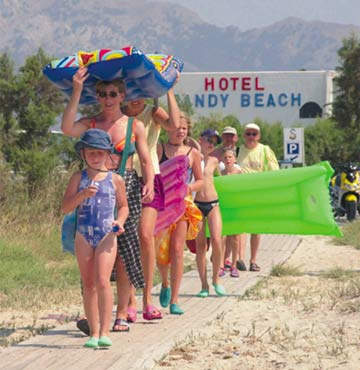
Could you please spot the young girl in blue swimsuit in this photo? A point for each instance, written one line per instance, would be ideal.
(95, 192)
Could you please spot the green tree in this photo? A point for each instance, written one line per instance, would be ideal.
(322, 142)
(32, 106)
(8, 124)
(346, 106)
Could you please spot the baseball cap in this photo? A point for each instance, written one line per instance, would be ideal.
(229, 130)
(252, 126)
(211, 133)
(94, 138)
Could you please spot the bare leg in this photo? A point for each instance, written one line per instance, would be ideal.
(242, 245)
(86, 260)
(201, 247)
(254, 245)
(132, 300)
(105, 255)
(147, 244)
(233, 245)
(123, 292)
(177, 259)
(164, 273)
(226, 250)
(215, 228)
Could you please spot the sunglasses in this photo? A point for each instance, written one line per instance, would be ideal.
(251, 134)
(111, 94)
(211, 141)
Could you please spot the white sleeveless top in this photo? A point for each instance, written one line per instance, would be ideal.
(152, 136)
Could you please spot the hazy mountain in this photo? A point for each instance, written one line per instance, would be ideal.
(247, 14)
(64, 27)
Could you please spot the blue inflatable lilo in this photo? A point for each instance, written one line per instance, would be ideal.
(145, 75)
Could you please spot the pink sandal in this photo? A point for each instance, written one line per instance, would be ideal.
(131, 314)
(151, 313)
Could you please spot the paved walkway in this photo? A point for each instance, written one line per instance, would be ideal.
(147, 342)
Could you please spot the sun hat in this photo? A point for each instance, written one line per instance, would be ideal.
(211, 133)
(252, 126)
(229, 130)
(94, 138)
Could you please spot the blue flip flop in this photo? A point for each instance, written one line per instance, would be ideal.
(165, 296)
(175, 309)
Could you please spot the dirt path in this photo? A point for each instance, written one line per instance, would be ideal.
(306, 322)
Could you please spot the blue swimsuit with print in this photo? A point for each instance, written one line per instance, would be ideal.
(96, 214)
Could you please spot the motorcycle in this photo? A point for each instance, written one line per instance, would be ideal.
(345, 192)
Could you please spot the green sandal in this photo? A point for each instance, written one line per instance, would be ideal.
(105, 342)
(165, 295)
(203, 293)
(219, 289)
(176, 310)
(92, 343)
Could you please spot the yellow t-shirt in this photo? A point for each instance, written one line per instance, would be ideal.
(152, 135)
(261, 158)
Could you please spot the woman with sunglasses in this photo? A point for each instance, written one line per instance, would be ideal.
(112, 120)
(254, 157)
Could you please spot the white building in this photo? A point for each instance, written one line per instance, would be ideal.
(292, 97)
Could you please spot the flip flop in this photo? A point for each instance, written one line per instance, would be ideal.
(219, 289)
(254, 267)
(151, 313)
(105, 342)
(234, 273)
(92, 343)
(227, 265)
(240, 265)
(175, 309)
(121, 322)
(203, 293)
(165, 295)
(131, 314)
(83, 326)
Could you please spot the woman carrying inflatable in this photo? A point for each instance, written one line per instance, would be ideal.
(112, 120)
(154, 118)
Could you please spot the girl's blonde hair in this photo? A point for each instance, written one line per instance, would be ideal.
(229, 149)
(187, 119)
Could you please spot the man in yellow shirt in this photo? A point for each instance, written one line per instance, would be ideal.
(254, 157)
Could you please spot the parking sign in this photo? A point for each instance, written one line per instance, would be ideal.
(294, 144)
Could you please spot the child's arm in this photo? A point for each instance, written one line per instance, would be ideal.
(121, 203)
(72, 197)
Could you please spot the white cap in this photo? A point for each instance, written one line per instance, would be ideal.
(229, 130)
(252, 126)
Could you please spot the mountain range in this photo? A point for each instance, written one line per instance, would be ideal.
(63, 27)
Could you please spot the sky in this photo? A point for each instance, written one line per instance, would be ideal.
(248, 14)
